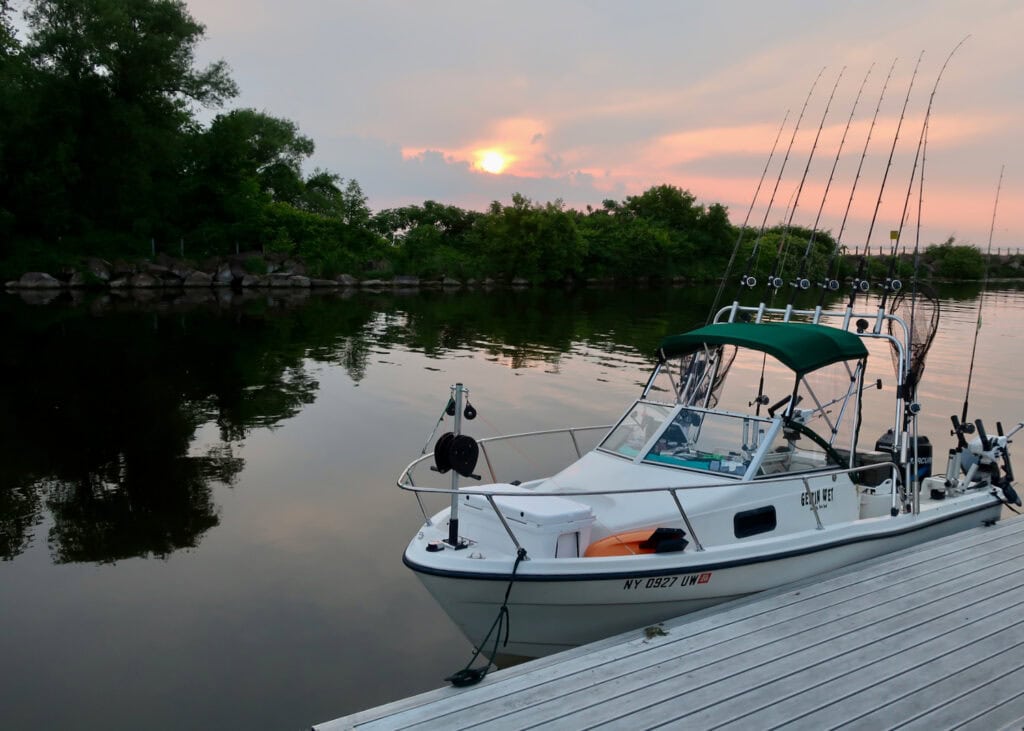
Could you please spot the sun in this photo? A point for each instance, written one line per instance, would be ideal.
(492, 161)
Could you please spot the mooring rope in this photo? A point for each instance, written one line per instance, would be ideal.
(470, 675)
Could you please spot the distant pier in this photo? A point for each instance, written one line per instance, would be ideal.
(927, 639)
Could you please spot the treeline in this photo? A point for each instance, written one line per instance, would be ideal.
(103, 153)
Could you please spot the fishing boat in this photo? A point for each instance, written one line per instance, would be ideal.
(684, 503)
(739, 468)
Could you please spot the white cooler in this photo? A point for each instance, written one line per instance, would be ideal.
(546, 526)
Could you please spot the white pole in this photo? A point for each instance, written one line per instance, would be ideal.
(453, 518)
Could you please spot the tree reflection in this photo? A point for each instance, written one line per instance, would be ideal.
(101, 414)
(103, 400)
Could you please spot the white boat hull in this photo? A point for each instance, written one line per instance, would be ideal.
(557, 604)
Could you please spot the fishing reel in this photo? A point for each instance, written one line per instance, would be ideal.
(832, 285)
(860, 285)
(748, 280)
(776, 283)
(979, 458)
(802, 284)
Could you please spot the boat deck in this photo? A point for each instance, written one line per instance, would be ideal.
(927, 640)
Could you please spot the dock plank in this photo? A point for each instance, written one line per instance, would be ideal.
(908, 635)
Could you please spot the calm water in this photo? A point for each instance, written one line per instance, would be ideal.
(199, 525)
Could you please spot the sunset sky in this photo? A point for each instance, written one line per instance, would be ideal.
(470, 102)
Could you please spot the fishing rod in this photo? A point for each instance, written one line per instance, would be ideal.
(892, 284)
(747, 280)
(961, 428)
(831, 283)
(746, 220)
(801, 282)
(922, 147)
(775, 282)
(859, 283)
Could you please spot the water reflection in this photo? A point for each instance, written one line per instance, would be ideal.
(267, 430)
(104, 394)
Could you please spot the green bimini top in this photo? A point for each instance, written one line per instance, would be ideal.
(802, 347)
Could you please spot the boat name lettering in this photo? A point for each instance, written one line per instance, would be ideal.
(822, 497)
(666, 582)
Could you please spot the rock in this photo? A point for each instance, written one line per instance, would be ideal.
(278, 279)
(298, 280)
(41, 296)
(375, 283)
(403, 280)
(251, 280)
(121, 269)
(224, 274)
(347, 280)
(197, 279)
(144, 280)
(119, 283)
(99, 268)
(450, 282)
(181, 270)
(78, 280)
(37, 280)
(292, 266)
(157, 270)
(323, 283)
(238, 270)
(520, 282)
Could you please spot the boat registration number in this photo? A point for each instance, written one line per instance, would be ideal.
(667, 582)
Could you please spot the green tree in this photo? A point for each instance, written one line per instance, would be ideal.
(950, 260)
(530, 240)
(245, 160)
(11, 91)
(328, 194)
(431, 240)
(110, 88)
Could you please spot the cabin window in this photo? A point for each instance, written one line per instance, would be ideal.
(752, 522)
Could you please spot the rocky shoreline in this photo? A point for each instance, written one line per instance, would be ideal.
(243, 271)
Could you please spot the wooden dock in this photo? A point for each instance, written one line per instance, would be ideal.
(927, 640)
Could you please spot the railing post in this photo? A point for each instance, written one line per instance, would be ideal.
(686, 520)
(572, 435)
(494, 507)
(814, 503)
(487, 459)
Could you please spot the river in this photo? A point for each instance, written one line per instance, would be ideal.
(199, 524)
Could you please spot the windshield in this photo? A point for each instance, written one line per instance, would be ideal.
(637, 428)
(688, 437)
(709, 440)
